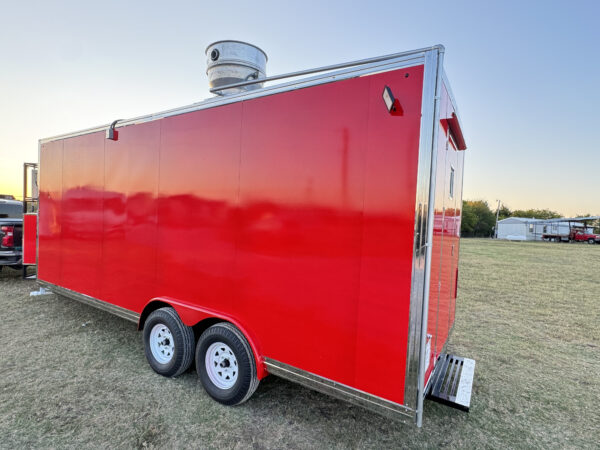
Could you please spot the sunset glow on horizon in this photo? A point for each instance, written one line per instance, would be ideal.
(523, 75)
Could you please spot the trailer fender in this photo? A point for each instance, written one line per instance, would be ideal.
(192, 315)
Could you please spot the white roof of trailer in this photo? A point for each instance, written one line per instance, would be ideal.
(526, 220)
(573, 219)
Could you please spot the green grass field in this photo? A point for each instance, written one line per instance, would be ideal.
(528, 313)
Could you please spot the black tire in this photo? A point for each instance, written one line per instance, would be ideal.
(591, 241)
(246, 382)
(183, 342)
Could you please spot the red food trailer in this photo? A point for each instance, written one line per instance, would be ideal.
(307, 229)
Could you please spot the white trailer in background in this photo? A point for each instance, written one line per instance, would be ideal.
(530, 229)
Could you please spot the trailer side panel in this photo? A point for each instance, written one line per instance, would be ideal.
(130, 216)
(198, 214)
(388, 230)
(81, 218)
(291, 213)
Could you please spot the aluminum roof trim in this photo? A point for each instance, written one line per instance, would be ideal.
(394, 61)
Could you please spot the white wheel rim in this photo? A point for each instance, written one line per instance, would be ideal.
(161, 343)
(221, 365)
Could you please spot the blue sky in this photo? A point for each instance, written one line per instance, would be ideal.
(525, 75)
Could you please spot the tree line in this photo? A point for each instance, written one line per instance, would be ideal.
(478, 220)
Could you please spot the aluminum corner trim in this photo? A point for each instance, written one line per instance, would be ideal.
(430, 226)
(423, 234)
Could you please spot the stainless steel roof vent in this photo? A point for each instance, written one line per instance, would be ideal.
(232, 62)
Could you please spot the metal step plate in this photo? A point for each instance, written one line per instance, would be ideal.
(452, 381)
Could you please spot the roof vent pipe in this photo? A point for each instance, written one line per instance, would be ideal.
(229, 62)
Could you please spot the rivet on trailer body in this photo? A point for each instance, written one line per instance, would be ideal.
(111, 133)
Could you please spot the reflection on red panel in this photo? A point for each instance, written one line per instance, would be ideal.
(130, 216)
(81, 219)
(197, 210)
(291, 213)
(50, 207)
(297, 261)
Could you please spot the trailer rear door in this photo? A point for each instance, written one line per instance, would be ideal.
(446, 235)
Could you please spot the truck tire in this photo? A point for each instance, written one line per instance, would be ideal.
(168, 343)
(591, 241)
(226, 365)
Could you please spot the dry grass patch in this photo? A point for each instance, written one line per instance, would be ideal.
(529, 313)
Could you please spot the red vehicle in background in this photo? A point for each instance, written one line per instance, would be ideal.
(574, 235)
(11, 231)
(308, 229)
(582, 236)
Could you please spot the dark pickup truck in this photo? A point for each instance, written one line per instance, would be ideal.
(11, 233)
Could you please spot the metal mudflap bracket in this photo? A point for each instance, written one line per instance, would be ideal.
(452, 381)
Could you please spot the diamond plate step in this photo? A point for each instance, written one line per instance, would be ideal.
(452, 381)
